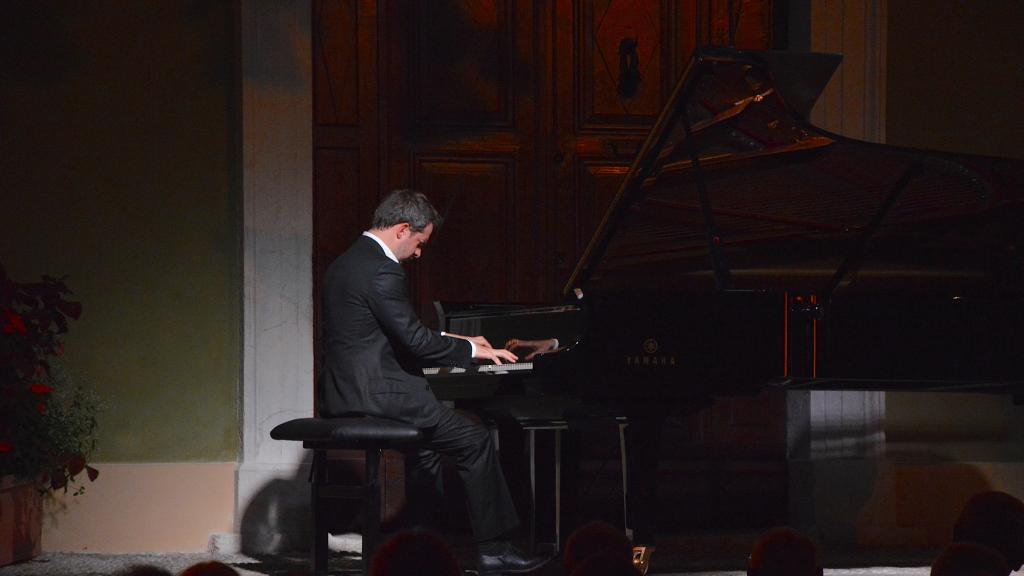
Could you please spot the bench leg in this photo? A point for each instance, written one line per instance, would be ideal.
(558, 489)
(371, 507)
(531, 465)
(318, 549)
(624, 462)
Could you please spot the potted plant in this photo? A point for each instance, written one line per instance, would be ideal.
(47, 422)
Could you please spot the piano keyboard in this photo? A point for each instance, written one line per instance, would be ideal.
(479, 369)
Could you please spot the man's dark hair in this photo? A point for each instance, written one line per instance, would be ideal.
(783, 552)
(406, 205)
(969, 558)
(596, 538)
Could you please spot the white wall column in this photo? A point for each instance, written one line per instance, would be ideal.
(277, 179)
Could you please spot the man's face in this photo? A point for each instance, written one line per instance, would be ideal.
(410, 243)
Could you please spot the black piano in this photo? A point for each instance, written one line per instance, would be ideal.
(748, 250)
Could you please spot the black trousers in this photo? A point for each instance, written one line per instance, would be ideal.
(488, 502)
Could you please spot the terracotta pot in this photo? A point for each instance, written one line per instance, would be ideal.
(21, 521)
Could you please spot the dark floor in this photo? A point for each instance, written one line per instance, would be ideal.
(694, 555)
(67, 564)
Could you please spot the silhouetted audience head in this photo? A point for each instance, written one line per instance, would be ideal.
(414, 553)
(606, 564)
(995, 519)
(592, 539)
(969, 559)
(211, 568)
(784, 552)
(145, 570)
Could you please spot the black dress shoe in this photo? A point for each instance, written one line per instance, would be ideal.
(511, 560)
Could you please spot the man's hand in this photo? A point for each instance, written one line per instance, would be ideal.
(532, 347)
(496, 355)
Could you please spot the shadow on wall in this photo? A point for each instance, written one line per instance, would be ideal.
(278, 516)
(916, 500)
(896, 500)
(909, 503)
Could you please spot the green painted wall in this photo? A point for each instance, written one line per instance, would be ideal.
(118, 168)
(954, 83)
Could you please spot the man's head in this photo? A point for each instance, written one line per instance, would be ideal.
(406, 206)
(404, 220)
(596, 538)
(995, 519)
(783, 552)
(414, 553)
(969, 559)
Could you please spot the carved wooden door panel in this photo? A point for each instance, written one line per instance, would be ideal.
(345, 128)
(463, 113)
(613, 65)
(519, 118)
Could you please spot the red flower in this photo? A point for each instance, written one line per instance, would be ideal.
(41, 408)
(14, 323)
(40, 389)
(6, 447)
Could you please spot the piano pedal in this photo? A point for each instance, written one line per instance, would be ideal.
(642, 558)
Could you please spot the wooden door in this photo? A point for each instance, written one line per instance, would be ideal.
(519, 119)
(462, 113)
(616, 64)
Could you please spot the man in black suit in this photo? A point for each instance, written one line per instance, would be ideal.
(374, 350)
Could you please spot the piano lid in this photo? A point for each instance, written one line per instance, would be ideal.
(734, 189)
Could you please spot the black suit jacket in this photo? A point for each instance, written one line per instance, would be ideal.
(374, 345)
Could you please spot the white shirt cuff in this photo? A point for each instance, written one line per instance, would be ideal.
(472, 347)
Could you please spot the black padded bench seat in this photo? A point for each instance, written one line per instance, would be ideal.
(348, 432)
(373, 435)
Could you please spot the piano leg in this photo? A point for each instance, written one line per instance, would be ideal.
(594, 428)
(640, 447)
(530, 428)
(531, 457)
(558, 489)
(642, 450)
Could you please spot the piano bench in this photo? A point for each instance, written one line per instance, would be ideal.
(372, 435)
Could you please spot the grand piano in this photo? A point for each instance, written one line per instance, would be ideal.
(748, 250)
